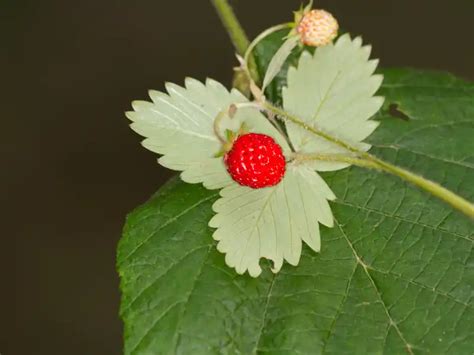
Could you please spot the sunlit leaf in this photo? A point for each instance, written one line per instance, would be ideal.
(271, 222)
(333, 91)
(180, 126)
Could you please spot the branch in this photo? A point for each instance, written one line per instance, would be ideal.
(236, 33)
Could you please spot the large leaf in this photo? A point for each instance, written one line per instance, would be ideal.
(394, 275)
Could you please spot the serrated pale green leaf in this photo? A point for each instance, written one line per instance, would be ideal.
(279, 59)
(272, 222)
(264, 52)
(179, 125)
(333, 90)
(395, 275)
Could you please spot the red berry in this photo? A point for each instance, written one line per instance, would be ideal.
(255, 160)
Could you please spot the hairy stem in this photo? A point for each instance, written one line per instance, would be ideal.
(235, 32)
(435, 189)
(304, 157)
(263, 35)
(367, 160)
(283, 114)
(216, 126)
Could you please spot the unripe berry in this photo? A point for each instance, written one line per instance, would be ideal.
(255, 160)
(317, 28)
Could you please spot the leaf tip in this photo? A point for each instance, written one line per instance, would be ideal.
(154, 94)
(140, 105)
(130, 115)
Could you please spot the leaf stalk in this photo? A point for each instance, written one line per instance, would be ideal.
(366, 160)
(263, 35)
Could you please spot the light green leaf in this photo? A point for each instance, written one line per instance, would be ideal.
(333, 91)
(395, 275)
(271, 222)
(279, 59)
(179, 125)
(264, 52)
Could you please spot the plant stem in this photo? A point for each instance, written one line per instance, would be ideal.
(232, 25)
(367, 160)
(437, 190)
(235, 32)
(263, 35)
(302, 157)
(282, 113)
(216, 125)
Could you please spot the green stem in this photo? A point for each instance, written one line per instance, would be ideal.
(232, 25)
(217, 123)
(236, 32)
(367, 160)
(282, 113)
(263, 35)
(303, 157)
(437, 190)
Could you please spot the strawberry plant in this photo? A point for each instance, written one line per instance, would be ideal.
(306, 218)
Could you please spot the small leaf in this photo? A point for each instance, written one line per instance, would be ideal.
(308, 7)
(230, 135)
(333, 91)
(180, 126)
(271, 222)
(264, 52)
(279, 59)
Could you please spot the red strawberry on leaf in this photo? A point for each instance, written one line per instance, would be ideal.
(255, 160)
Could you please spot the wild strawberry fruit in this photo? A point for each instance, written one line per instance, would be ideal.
(255, 160)
(317, 28)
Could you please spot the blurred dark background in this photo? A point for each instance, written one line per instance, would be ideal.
(71, 166)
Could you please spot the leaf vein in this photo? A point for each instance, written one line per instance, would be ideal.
(376, 289)
(165, 224)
